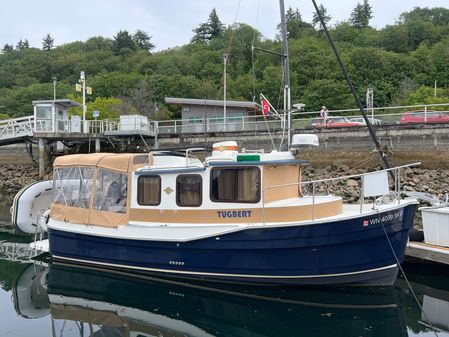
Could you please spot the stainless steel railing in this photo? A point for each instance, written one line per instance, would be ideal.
(396, 181)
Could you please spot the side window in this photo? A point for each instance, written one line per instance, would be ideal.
(188, 190)
(111, 191)
(149, 190)
(72, 186)
(240, 184)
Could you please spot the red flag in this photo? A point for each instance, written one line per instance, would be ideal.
(265, 107)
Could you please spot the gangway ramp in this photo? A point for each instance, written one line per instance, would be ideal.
(15, 130)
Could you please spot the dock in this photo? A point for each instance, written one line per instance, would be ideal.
(427, 252)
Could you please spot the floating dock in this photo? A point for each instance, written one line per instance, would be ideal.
(427, 252)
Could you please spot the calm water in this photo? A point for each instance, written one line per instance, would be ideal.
(60, 300)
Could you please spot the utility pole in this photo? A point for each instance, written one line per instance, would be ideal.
(225, 61)
(287, 106)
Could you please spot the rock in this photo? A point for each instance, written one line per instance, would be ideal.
(409, 189)
(352, 183)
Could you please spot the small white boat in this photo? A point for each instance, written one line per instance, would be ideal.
(29, 204)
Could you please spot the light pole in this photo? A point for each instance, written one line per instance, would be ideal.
(82, 80)
(225, 61)
(55, 79)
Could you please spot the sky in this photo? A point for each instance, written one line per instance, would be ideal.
(169, 22)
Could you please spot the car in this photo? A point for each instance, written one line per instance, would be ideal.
(337, 122)
(374, 121)
(421, 116)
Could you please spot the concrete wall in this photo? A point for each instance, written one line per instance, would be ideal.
(427, 144)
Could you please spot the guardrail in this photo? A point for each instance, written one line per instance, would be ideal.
(396, 181)
(299, 120)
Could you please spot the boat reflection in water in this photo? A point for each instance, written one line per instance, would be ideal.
(116, 304)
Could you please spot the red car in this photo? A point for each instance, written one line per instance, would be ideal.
(420, 116)
(338, 122)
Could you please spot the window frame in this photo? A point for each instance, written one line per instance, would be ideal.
(160, 189)
(200, 189)
(259, 190)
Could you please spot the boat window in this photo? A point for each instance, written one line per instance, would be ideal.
(72, 186)
(111, 191)
(239, 184)
(189, 190)
(149, 190)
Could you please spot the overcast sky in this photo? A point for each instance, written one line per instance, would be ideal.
(170, 22)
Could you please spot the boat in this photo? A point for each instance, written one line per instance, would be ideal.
(29, 204)
(116, 303)
(243, 217)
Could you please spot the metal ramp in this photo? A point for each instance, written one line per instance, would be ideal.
(16, 129)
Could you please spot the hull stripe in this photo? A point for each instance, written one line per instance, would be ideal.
(224, 275)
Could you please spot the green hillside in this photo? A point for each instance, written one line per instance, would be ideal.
(401, 62)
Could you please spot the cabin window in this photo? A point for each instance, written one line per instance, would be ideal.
(111, 191)
(238, 184)
(189, 190)
(72, 186)
(149, 190)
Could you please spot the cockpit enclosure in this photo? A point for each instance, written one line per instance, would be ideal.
(93, 189)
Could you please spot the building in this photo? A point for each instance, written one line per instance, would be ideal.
(199, 115)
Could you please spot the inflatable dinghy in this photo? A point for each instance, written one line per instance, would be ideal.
(31, 202)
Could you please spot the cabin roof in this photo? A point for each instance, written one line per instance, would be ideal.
(122, 162)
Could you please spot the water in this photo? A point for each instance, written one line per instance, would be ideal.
(61, 300)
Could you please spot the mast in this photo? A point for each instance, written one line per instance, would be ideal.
(287, 103)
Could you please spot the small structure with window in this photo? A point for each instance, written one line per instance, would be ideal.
(51, 116)
(200, 115)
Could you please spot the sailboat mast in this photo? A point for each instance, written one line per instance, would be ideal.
(287, 103)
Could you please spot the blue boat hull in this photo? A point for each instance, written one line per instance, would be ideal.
(354, 251)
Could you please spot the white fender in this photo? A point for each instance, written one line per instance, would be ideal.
(29, 204)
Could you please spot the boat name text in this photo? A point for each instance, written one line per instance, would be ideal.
(234, 214)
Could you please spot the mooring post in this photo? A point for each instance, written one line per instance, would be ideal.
(42, 158)
(97, 145)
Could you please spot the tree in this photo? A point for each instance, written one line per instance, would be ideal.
(22, 44)
(8, 48)
(142, 39)
(124, 43)
(295, 25)
(316, 18)
(209, 30)
(361, 15)
(47, 43)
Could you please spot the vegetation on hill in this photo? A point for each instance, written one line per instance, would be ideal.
(401, 62)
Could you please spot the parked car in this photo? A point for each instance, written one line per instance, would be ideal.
(374, 121)
(337, 122)
(420, 116)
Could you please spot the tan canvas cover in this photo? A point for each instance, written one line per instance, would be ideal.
(80, 159)
(116, 162)
(69, 214)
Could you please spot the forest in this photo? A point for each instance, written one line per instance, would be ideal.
(401, 62)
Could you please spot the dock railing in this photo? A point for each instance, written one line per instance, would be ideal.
(393, 195)
(299, 119)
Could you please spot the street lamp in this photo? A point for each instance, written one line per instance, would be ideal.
(225, 61)
(82, 80)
